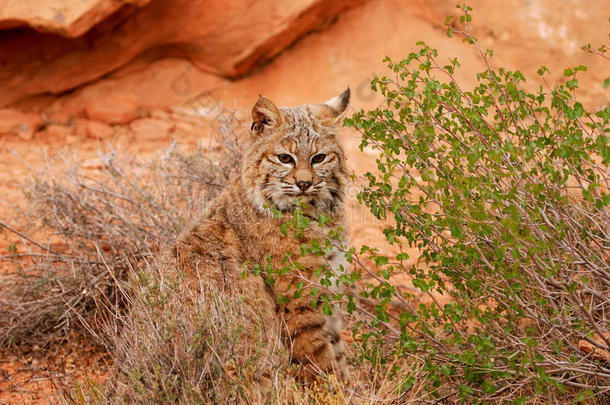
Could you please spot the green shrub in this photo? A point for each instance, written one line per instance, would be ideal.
(505, 193)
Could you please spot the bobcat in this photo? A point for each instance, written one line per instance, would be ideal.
(294, 158)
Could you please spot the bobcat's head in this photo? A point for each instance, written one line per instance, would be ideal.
(295, 155)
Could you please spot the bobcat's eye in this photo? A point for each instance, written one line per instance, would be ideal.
(284, 158)
(319, 158)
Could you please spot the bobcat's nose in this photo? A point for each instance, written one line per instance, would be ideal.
(303, 185)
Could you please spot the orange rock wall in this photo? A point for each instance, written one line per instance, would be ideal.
(226, 38)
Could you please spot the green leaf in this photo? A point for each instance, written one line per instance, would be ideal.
(572, 84)
(421, 284)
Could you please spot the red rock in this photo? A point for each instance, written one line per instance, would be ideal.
(113, 109)
(59, 131)
(59, 117)
(150, 129)
(80, 127)
(166, 82)
(26, 135)
(93, 129)
(593, 350)
(99, 130)
(185, 128)
(19, 123)
(69, 18)
(345, 53)
(225, 38)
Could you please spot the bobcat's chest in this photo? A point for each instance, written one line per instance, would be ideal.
(338, 265)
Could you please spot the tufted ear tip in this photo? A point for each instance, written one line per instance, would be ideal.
(332, 112)
(339, 104)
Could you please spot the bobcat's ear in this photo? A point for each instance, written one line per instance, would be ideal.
(265, 115)
(334, 109)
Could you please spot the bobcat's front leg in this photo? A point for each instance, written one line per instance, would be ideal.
(313, 337)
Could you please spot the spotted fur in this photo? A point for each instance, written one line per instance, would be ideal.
(294, 155)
